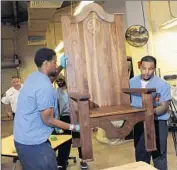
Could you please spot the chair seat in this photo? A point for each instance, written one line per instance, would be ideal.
(114, 110)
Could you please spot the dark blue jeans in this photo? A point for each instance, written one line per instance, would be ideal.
(64, 149)
(160, 155)
(36, 157)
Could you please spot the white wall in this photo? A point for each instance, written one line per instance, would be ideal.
(7, 41)
(164, 41)
(23, 50)
(26, 52)
(116, 6)
(8, 48)
(7, 52)
(19, 38)
(161, 44)
(134, 13)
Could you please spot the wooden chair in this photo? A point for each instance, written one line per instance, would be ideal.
(97, 78)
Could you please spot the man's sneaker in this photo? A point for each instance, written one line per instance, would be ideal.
(83, 165)
(61, 168)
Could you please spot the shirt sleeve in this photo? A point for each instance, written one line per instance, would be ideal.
(5, 99)
(165, 94)
(45, 98)
(130, 83)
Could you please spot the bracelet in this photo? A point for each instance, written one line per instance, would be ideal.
(71, 127)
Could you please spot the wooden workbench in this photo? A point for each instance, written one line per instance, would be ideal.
(8, 147)
(133, 166)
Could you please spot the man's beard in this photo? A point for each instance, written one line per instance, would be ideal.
(52, 74)
(147, 79)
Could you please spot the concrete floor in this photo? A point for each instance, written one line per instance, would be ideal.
(104, 156)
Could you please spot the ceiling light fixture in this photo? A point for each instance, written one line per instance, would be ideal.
(169, 24)
(59, 47)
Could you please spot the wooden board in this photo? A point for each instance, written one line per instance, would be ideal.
(114, 110)
(8, 144)
(133, 166)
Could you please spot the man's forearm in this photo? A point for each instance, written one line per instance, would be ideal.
(162, 109)
(8, 109)
(49, 120)
(58, 124)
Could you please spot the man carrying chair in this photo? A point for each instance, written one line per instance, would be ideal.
(64, 149)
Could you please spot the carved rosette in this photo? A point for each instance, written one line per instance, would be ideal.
(93, 25)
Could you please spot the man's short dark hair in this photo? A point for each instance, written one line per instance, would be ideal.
(15, 77)
(42, 55)
(149, 58)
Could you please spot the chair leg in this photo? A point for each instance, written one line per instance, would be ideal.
(85, 132)
(14, 163)
(73, 119)
(149, 127)
(174, 136)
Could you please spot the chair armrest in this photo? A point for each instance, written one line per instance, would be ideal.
(138, 90)
(79, 96)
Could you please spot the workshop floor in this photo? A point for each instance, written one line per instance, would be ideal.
(104, 156)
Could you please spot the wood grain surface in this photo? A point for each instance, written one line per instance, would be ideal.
(97, 78)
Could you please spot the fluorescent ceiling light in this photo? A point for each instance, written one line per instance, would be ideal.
(81, 5)
(59, 47)
(169, 24)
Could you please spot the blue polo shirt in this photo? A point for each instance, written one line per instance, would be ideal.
(36, 95)
(162, 88)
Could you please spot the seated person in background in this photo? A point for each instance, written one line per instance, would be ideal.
(64, 149)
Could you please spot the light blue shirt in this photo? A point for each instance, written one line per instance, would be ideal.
(36, 95)
(162, 88)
